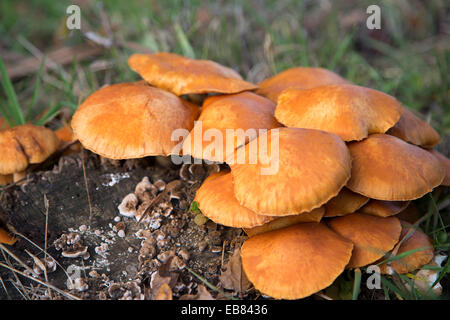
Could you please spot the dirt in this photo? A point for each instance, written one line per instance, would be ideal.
(116, 264)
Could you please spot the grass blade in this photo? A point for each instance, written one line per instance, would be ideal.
(402, 255)
(208, 284)
(35, 89)
(186, 47)
(50, 114)
(356, 284)
(13, 103)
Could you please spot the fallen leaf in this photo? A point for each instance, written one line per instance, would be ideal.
(234, 278)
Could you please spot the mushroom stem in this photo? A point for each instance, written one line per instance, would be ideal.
(19, 176)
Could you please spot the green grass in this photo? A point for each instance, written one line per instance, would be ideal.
(408, 58)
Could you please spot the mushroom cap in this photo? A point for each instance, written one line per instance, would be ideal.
(352, 112)
(302, 174)
(412, 129)
(345, 202)
(445, 162)
(283, 222)
(132, 120)
(216, 200)
(382, 208)
(295, 262)
(372, 236)
(388, 168)
(416, 240)
(65, 134)
(6, 237)
(242, 111)
(25, 144)
(298, 77)
(182, 75)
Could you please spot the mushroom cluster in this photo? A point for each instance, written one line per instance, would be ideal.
(351, 155)
(328, 166)
(348, 158)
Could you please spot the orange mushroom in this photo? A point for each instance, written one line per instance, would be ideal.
(372, 236)
(345, 202)
(182, 75)
(445, 162)
(132, 120)
(237, 118)
(387, 168)
(295, 262)
(283, 222)
(382, 208)
(6, 237)
(216, 200)
(301, 174)
(24, 145)
(5, 179)
(67, 140)
(411, 239)
(352, 112)
(412, 129)
(300, 78)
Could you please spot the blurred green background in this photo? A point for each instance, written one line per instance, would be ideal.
(408, 57)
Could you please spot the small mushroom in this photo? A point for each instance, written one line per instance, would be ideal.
(145, 190)
(160, 185)
(24, 145)
(128, 205)
(6, 237)
(75, 251)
